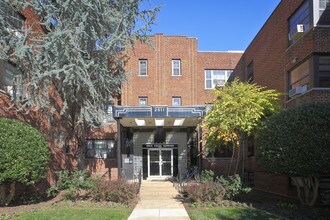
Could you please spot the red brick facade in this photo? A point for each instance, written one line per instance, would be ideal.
(160, 86)
(273, 59)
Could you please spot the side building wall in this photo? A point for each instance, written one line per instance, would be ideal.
(272, 59)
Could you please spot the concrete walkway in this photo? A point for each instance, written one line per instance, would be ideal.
(158, 201)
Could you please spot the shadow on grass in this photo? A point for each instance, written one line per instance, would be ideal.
(245, 213)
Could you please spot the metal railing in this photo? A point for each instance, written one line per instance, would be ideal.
(187, 176)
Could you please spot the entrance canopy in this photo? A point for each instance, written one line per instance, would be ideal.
(164, 116)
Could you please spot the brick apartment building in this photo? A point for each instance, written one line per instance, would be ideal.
(291, 53)
(155, 129)
(161, 105)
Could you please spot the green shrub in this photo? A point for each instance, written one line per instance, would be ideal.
(296, 142)
(24, 156)
(232, 185)
(119, 191)
(24, 153)
(73, 182)
(207, 176)
(205, 193)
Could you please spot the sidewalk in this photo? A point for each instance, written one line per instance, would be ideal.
(157, 201)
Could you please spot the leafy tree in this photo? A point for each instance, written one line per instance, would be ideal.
(76, 66)
(24, 156)
(296, 142)
(237, 112)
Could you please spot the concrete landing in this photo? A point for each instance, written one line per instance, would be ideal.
(158, 201)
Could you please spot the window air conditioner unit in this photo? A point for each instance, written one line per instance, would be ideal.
(297, 91)
(298, 33)
(220, 84)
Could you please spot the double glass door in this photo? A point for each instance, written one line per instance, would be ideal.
(160, 162)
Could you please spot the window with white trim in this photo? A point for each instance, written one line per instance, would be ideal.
(7, 83)
(176, 67)
(108, 114)
(216, 78)
(14, 19)
(143, 67)
(176, 100)
(101, 149)
(323, 4)
(143, 101)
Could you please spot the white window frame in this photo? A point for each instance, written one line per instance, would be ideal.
(145, 100)
(141, 71)
(176, 68)
(108, 114)
(213, 78)
(94, 151)
(176, 98)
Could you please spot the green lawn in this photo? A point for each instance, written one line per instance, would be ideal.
(229, 213)
(78, 214)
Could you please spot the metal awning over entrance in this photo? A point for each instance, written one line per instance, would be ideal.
(153, 116)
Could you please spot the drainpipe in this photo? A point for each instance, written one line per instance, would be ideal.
(200, 146)
(119, 163)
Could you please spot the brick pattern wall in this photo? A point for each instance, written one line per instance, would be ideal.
(273, 59)
(160, 86)
(316, 95)
(212, 60)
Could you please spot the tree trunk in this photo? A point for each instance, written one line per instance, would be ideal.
(232, 158)
(81, 153)
(4, 198)
(310, 185)
(237, 158)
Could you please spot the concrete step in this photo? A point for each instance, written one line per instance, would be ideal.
(158, 200)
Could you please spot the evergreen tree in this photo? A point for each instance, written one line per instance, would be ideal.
(76, 65)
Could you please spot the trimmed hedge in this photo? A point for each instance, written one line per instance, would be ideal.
(296, 142)
(24, 153)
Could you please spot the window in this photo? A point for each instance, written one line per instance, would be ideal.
(324, 71)
(301, 16)
(250, 72)
(300, 76)
(9, 74)
(100, 149)
(108, 116)
(13, 18)
(143, 101)
(224, 151)
(176, 67)
(323, 5)
(176, 101)
(250, 146)
(214, 78)
(143, 67)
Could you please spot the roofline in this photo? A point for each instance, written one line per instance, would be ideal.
(228, 51)
(263, 26)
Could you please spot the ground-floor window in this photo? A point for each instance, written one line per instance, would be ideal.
(222, 151)
(100, 149)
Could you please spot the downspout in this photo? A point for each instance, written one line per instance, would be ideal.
(119, 159)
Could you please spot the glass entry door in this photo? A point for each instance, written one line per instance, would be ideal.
(154, 162)
(160, 162)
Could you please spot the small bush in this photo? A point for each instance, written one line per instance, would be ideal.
(232, 185)
(73, 182)
(119, 191)
(207, 176)
(205, 193)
